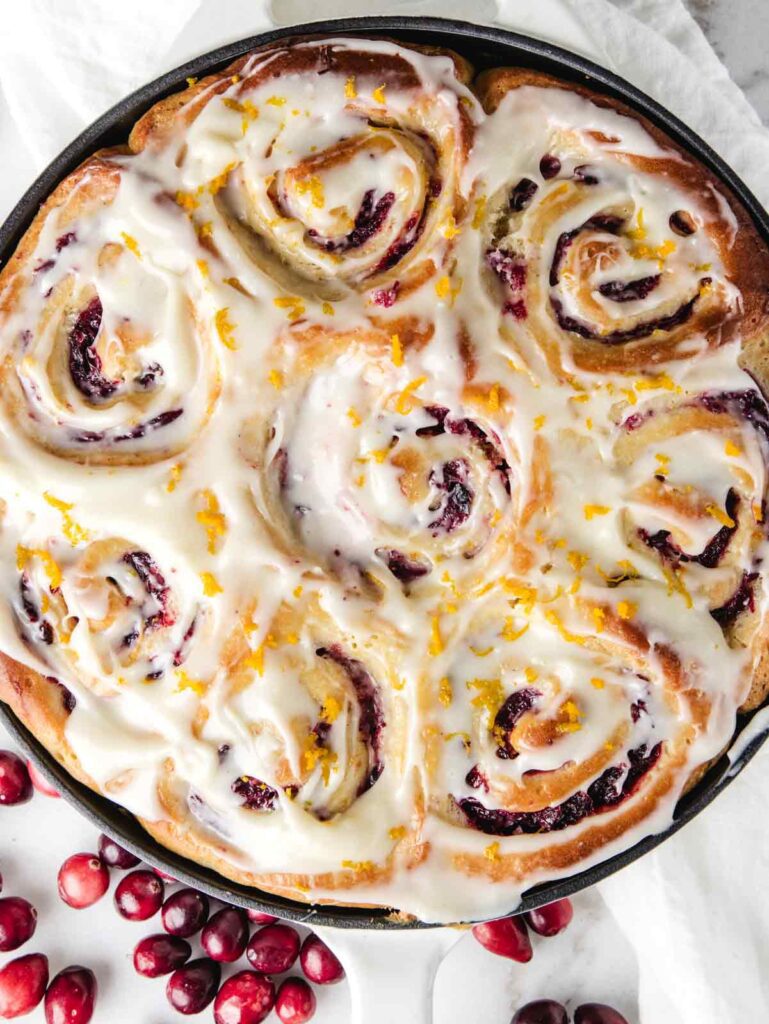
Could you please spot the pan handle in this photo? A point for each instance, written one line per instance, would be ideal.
(391, 973)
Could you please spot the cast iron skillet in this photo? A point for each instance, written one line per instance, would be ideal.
(485, 47)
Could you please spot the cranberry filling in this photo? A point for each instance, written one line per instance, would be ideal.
(514, 708)
(713, 551)
(31, 610)
(401, 246)
(256, 795)
(743, 599)
(642, 330)
(68, 699)
(522, 194)
(403, 568)
(134, 434)
(456, 506)
(511, 270)
(386, 296)
(368, 220)
(371, 721)
(749, 405)
(629, 291)
(475, 779)
(155, 585)
(84, 360)
(611, 788)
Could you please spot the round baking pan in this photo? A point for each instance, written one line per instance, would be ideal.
(485, 47)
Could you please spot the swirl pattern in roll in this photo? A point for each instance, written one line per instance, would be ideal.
(383, 456)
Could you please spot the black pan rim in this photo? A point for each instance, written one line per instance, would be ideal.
(113, 126)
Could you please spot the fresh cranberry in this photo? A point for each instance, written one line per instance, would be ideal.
(114, 855)
(296, 1001)
(191, 988)
(160, 954)
(18, 920)
(272, 950)
(225, 936)
(185, 912)
(549, 166)
(15, 784)
(139, 895)
(550, 919)
(71, 997)
(506, 937)
(83, 880)
(541, 1011)
(164, 875)
(597, 1013)
(319, 963)
(257, 917)
(41, 784)
(245, 998)
(22, 984)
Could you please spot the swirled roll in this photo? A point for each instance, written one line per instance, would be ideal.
(383, 473)
(334, 168)
(107, 359)
(600, 241)
(359, 468)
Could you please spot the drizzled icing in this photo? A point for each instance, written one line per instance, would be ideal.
(380, 479)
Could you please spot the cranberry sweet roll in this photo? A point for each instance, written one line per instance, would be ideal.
(602, 242)
(107, 357)
(333, 168)
(556, 727)
(367, 469)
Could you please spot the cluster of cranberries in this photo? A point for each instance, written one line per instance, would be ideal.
(246, 997)
(509, 937)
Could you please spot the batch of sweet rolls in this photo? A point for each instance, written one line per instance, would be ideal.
(383, 467)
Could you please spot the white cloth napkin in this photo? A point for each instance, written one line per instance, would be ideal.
(695, 912)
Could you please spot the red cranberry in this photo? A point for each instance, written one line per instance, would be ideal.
(41, 784)
(160, 954)
(83, 880)
(22, 984)
(272, 950)
(506, 937)
(18, 920)
(550, 919)
(541, 1011)
(191, 988)
(245, 998)
(549, 166)
(139, 895)
(185, 912)
(114, 855)
(296, 1001)
(225, 936)
(319, 963)
(257, 917)
(597, 1013)
(164, 875)
(71, 997)
(15, 784)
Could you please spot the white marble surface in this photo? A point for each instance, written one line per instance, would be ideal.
(738, 30)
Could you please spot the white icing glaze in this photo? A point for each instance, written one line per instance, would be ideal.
(342, 503)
